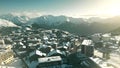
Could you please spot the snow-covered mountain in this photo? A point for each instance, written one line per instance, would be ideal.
(55, 20)
(6, 23)
(30, 18)
(16, 19)
(75, 25)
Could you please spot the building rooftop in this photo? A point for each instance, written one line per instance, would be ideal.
(37, 52)
(106, 35)
(49, 59)
(56, 52)
(87, 42)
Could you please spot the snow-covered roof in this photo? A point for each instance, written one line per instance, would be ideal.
(65, 47)
(37, 52)
(97, 34)
(49, 59)
(106, 35)
(87, 42)
(101, 63)
(117, 38)
(42, 46)
(56, 52)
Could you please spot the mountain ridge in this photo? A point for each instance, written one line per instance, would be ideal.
(75, 25)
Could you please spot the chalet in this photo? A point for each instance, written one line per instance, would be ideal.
(87, 48)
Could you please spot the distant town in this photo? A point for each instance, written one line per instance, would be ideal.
(27, 47)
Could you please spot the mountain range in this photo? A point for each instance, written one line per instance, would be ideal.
(81, 26)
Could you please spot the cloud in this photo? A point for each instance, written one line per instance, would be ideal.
(28, 14)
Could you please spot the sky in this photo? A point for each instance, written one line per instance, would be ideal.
(75, 8)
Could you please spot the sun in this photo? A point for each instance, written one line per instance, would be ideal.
(109, 8)
(114, 10)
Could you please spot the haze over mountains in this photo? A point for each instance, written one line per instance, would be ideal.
(75, 25)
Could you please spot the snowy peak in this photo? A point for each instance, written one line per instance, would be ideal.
(16, 19)
(55, 20)
(30, 18)
(6, 23)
